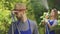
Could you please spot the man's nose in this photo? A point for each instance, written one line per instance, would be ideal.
(20, 14)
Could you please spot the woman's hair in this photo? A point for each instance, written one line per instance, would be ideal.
(56, 13)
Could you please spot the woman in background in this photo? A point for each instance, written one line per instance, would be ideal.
(52, 22)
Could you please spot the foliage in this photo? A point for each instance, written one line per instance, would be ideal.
(34, 11)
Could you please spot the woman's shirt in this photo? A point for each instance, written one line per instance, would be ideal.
(54, 22)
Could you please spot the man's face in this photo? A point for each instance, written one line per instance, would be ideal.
(20, 11)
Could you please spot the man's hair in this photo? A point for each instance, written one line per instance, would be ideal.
(20, 5)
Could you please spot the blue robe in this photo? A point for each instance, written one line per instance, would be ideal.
(48, 29)
(24, 32)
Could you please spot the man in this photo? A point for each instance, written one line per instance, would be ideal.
(23, 25)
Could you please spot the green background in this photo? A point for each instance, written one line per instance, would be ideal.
(35, 10)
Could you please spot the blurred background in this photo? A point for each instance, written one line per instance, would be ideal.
(35, 11)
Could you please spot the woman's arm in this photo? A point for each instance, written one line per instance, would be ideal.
(52, 26)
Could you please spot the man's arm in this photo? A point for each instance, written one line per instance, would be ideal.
(11, 31)
(35, 31)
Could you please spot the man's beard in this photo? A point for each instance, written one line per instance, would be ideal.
(19, 17)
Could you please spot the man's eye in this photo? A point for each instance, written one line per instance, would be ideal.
(16, 13)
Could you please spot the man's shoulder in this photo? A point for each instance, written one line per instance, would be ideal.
(14, 23)
(32, 22)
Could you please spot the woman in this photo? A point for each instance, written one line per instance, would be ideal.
(52, 22)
